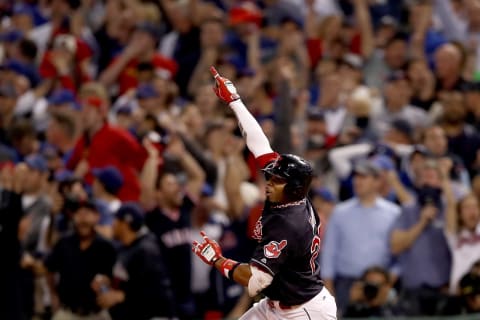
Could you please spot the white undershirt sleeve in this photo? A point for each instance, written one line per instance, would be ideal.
(257, 141)
(258, 281)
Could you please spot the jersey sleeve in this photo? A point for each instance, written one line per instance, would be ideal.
(275, 247)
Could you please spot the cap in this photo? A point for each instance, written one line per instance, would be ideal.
(94, 102)
(324, 194)
(132, 214)
(64, 96)
(22, 8)
(207, 190)
(154, 30)
(383, 162)
(88, 203)
(22, 69)
(367, 168)
(11, 36)
(36, 162)
(125, 109)
(110, 177)
(146, 91)
(64, 175)
(246, 72)
(403, 127)
(246, 12)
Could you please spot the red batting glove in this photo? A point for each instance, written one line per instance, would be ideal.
(224, 88)
(209, 250)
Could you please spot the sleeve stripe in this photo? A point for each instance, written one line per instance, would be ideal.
(263, 266)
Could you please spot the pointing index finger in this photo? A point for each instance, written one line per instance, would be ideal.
(204, 235)
(214, 72)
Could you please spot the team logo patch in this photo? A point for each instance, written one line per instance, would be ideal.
(257, 232)
(273, 249)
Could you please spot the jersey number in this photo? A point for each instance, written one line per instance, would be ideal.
(314, 250)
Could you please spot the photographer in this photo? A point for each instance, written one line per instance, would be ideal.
(417, 238)
(371, 295)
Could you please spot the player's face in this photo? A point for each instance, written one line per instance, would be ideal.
(274, 188)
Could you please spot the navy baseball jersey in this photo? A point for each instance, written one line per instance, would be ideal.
(288, 249)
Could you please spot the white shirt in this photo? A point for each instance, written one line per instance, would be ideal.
(465, 249)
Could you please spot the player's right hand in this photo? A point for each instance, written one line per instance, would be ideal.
(224, 88)
(209, 250)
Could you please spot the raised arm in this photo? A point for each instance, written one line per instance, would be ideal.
(257, 141)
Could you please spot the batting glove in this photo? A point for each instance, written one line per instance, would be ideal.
(224, 88)
(209, 250)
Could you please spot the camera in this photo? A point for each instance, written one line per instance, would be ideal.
(429, 196)
(370, 290)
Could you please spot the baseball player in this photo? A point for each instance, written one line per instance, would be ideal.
(284, 266)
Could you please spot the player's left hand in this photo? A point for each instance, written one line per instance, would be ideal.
(209, 250)
(224, 88)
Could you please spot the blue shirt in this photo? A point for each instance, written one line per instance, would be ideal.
(427, 261)
(357, 238)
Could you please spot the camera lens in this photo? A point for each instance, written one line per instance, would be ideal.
(370, 290)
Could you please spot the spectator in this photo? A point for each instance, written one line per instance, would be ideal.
(76, 259)
(324, 203)
(142, 289)
(22, 137)
(62, 133)
(344, 256)
(107, 183)
(33, 230)
(461, 229)
(424, 276)
(102, 145)
(470, 292)
(471, 91)
(66, 65)
(141, 48)
(371, 296)
(449, 63)
(435, 141)
(463, 140)
(169, 219)
(397, 96)
(12, 180)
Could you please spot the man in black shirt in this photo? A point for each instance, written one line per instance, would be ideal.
(143, 290)
(77, 258)
(170, 222)
(284, 266)
(11, 184)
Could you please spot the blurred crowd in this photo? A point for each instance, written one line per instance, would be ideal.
(115, 152)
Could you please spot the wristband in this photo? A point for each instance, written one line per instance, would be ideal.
(227, 267)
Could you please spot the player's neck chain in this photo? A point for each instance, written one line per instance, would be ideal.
(290, 204)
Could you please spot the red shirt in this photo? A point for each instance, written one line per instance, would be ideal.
(128, 77)
(316, 51)
(48, 70)
(117, 147)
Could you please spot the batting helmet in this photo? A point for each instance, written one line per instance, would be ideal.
(296, 171)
